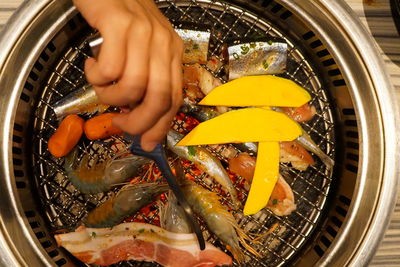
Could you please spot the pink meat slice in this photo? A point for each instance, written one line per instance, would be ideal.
(142, 242)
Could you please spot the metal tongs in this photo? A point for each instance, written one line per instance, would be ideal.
(159, 157)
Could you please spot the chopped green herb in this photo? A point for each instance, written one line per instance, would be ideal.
(270, 42)
(245, 49)
(93, 234)
(152, 230)
(253, 45)
(265, 64)
(196, 46)
(192, 151)
(235, 55)
(274, 201)
(141, 230)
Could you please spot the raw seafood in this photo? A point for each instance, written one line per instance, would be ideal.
(172, 216)
(300, 114)
(205, 161)
(297, 155)
(129, 200)
(257, 58)
(306, 141)
(219, 221)
(195, 45)
(139, 241)
(282, 199)
(197, 76)
(81, 101)
(243, 165)
(102, 176)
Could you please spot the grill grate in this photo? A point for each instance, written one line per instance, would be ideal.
(65, 206)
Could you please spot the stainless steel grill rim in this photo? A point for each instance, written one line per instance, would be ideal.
(297, 7)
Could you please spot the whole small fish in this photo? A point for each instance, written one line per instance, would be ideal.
(81, 101)
(256, 58)
(206, 161)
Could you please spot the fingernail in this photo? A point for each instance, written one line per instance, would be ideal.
(149, 146)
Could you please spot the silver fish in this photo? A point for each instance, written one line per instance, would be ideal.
(306, 141)
(206, 161)
(195, 45)
(172, 216)
(257, 58)
(82, 100)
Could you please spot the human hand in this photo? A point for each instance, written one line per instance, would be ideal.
(143, 54)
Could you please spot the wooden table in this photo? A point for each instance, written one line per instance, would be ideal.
(376, 16)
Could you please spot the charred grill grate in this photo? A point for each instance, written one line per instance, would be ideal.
(65, 207)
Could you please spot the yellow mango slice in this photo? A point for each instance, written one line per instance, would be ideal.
(265, 177)
(244, 125)
(261, 90)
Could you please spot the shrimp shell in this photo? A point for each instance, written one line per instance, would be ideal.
(206, 161)
(130, 199)
(102, 176)
(219, 221)
(172, 216)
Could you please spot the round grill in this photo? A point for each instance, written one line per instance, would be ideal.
(65, 206)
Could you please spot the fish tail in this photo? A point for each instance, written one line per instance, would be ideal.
(328, 161)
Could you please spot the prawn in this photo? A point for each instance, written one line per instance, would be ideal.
(218, 220)
(172, 216)
(102, 176)
(130, 199)
(205, 161)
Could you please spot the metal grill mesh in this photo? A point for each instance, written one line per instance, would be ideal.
(65, 206)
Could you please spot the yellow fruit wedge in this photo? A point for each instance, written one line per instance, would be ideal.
(261, 90)
(244, 125)
(265, 177)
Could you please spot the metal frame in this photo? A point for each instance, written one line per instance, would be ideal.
(359, 61)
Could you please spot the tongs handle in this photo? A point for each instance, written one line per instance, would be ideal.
(158, 155)
(95, 42)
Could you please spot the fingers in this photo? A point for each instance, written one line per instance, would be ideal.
(110, 63)
(139, 120)
(139, 65)
(158, 98)
(155, 134)
(133, 82)
(113, 24)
